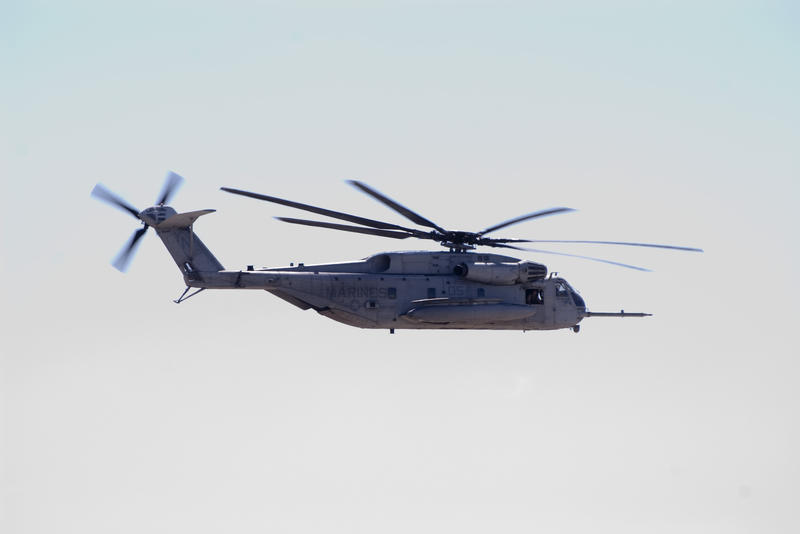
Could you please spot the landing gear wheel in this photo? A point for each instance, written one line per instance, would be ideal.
(576, 328)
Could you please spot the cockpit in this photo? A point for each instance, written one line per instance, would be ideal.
(564, 291)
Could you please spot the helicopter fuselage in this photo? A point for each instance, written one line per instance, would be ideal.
(417, 290)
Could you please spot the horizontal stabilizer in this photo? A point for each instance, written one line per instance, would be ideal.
(182, 220)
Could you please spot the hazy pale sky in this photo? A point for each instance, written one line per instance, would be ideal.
(667, 121)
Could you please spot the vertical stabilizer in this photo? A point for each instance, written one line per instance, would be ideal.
(188, 251)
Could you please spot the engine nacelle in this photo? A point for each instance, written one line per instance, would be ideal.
(501, 274)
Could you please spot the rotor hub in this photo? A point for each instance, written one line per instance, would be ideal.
(156, 215)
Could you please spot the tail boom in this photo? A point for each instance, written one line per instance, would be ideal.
(187, 250)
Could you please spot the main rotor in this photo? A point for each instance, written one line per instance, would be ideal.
(454, 240)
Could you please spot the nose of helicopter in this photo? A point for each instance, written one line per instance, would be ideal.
(157, 214)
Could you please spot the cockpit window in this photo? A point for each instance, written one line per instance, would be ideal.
(561, 289)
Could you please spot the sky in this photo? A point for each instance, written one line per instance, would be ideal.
(669, 122)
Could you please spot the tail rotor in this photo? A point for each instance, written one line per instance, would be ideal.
(171, 184)
(100, 192)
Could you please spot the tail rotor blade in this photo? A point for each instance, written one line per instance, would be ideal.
(123, 259)
(101, 193)
(171, 184)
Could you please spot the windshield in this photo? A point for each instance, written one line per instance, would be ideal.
(563, 289)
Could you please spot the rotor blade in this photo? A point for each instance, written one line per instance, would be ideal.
(347, 228)
(535, 214)
(618, 264)
(407, 213)
(100, 192)
(172, 182)
(673, 247)
(492, 240)
(124, 257)
(321, 211)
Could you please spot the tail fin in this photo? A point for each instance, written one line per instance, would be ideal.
(189, 253)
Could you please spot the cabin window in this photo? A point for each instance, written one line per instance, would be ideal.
(392, 292)
(431, 292)
(481, 292)
(534, 296)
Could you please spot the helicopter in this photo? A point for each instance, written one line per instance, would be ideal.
(456, 288)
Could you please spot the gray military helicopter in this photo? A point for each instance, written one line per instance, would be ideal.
(452, 289)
